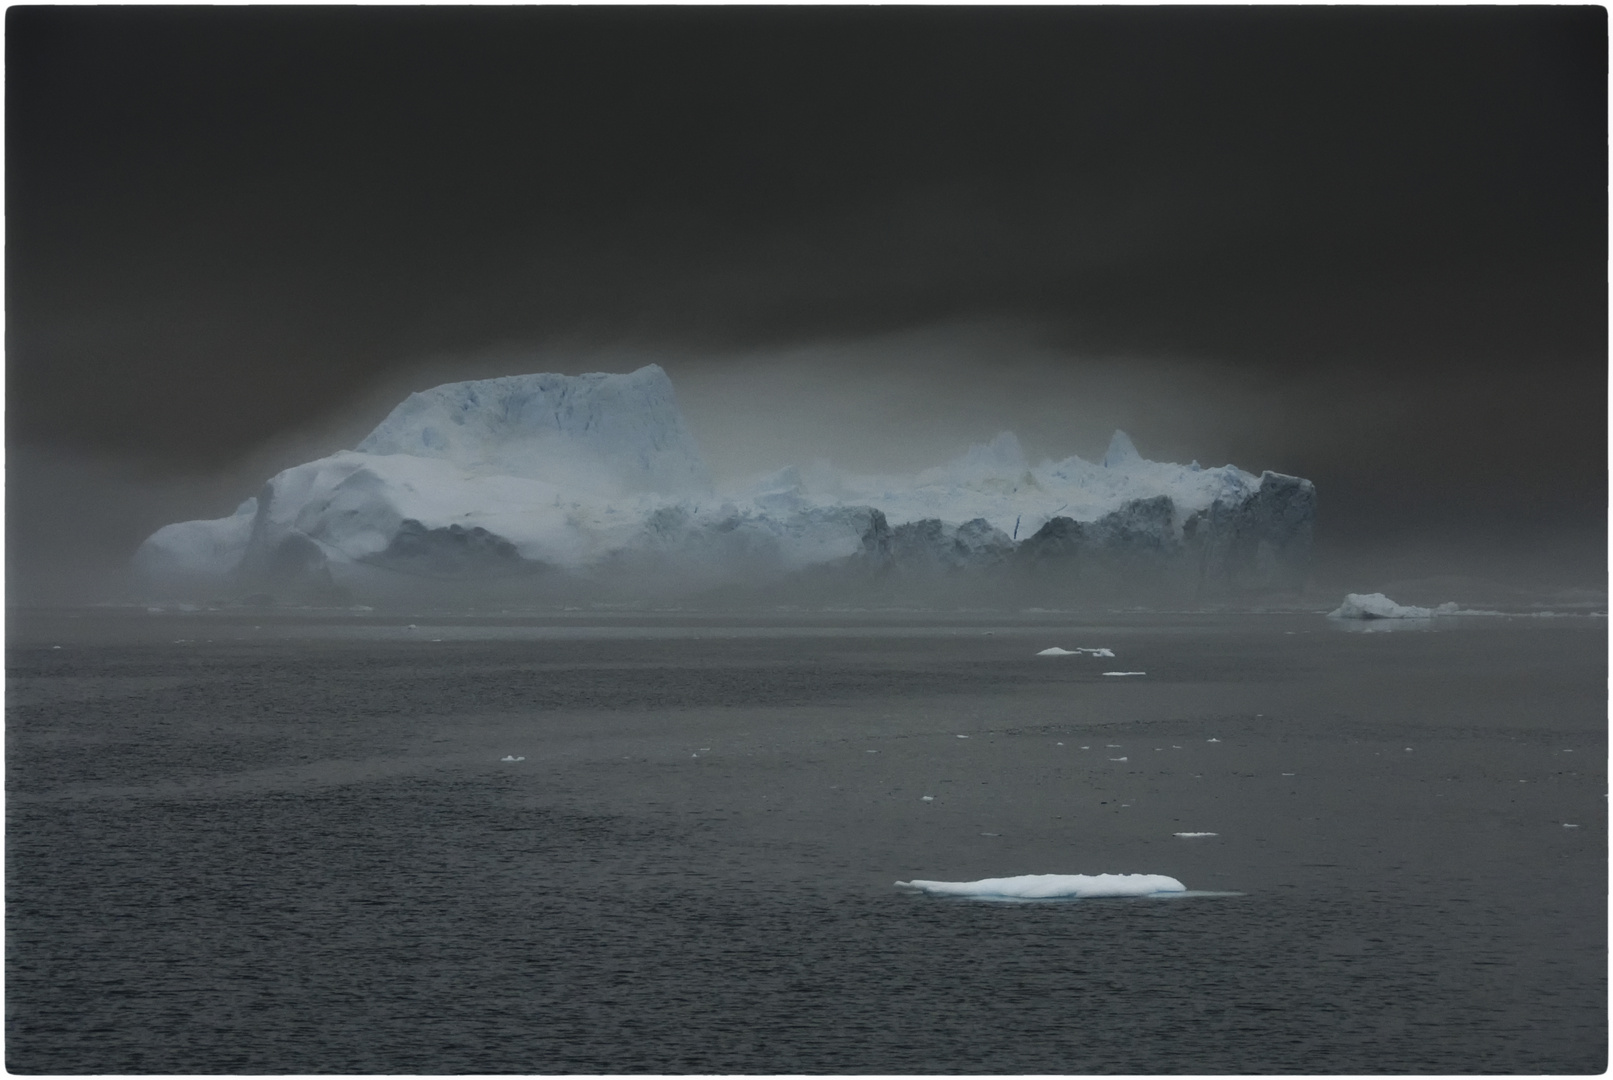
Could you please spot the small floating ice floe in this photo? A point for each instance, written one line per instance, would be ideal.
(1056, 651)
(926, 798)
(511, 757)
(1566, 825)
(1052, 886)
(1117, 759)
(1125, 673)
(1192, 835)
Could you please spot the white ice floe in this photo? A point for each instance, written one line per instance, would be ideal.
(926, 798)
(1056, 651)
(1190, 835)
(1125, 673)
(508, 757)
(1052, 886)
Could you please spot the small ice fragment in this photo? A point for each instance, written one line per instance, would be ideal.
(1125, 673)
(927, 798)
(703, 749)
(1112, 745)
(411, 626)
(58, 646)
(1212, 740)
(1408, 749)
(510, 757)
(870, 751)
(1056, 651)
(1566, 825)
(1288, 774)
(963, 736)
(1060, 744)
(990, 834)
(1190, 835)
(1117, 759)
(1086, 748)
(1175, 747)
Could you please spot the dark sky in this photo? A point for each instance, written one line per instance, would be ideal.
(1370, 241)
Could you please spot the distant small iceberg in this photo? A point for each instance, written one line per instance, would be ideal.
(1052, 886)
(1056, 651)
(1378, 606)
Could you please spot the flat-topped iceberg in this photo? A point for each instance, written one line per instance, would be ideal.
(594, 483)
(1052, 886)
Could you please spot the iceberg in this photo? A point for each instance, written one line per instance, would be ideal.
(569, 485)
(1379, 606)
(1052, 886)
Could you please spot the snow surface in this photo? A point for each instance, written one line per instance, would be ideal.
(596, 431)
(1052, 886)
(597, 475)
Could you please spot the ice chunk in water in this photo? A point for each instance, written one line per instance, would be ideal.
(1052, 886)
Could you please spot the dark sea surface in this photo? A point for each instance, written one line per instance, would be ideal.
(265, 843)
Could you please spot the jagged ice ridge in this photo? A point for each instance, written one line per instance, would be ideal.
(596, 480)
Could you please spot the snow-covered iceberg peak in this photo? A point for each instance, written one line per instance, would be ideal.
(598, 432)
(1121, 451)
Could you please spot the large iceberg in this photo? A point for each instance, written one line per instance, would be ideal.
(571, 485)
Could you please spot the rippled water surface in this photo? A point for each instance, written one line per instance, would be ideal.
(290, 844)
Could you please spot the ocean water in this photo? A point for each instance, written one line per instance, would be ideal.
(272, 842)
